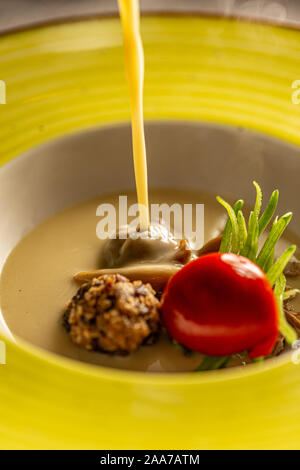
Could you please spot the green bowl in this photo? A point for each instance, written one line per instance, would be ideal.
(69, 77)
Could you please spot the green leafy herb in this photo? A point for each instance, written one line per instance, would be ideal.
(251, 244)
(243, 240)
(242, 229)
(213, 363)
(276, 270)
(234, 225)
(268, 213)
(287, 331)
(273, 237)
(258, 201)
(226, 237)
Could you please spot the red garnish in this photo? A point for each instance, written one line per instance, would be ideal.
(221, 304)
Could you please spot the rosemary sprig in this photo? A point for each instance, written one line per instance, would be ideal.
(243, 240)
(226, 237)
(233, 226)
(213, 363)
(258, 201)
(242, 229)
(270, 260)
(276, 270)
(287, 331)
(268, 213)
(249, 249)
(274, 235)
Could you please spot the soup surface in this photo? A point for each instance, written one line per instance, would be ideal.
(37, 281)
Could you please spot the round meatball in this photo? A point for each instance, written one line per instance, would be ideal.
(112, 314)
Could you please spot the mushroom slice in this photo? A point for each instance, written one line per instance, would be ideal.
(156, 274)
(211, 246)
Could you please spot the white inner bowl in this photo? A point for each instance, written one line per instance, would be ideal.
(181, 155)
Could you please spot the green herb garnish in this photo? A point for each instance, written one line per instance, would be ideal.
(213, 363)
(240, 239)
(287, 331)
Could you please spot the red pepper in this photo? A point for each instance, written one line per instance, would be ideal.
(221, 304)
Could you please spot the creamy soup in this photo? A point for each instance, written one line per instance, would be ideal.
(37, 281)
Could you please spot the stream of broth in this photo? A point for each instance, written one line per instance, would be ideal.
(134, 62)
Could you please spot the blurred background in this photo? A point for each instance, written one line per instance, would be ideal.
(16, 13)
